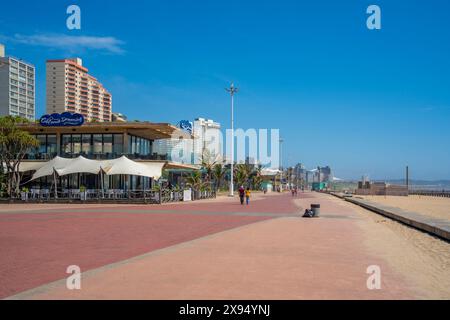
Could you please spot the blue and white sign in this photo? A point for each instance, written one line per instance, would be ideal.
(186, 125)
(65, 119)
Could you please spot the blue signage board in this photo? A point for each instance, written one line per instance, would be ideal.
(65, 119)
(186, 125)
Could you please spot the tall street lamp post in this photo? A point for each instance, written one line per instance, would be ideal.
(281, 164)
(232, 90)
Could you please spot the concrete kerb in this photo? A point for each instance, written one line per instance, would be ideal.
(436, 227)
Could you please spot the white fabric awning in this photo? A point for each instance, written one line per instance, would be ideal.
(31, 165)
(270, 172)
(48, 168)
(122, 165)
(81, 165)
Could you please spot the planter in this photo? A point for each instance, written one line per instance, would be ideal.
(24, 196)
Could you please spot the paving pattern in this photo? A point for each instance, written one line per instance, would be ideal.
(201, 250)
(36, 246)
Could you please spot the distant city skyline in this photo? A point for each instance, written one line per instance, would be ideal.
(365, 102)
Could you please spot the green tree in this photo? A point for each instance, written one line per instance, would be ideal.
(241, 173)
(194, 180)
(257, 177)
(208, 164)
(219, 173)
(14, 145)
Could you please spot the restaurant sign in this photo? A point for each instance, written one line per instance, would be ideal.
(65, 119)
(185, 125)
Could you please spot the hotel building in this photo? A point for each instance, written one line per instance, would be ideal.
(71, 89)
(206, 140)
(17, 87)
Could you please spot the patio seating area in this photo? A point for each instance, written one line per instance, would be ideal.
(114, 195)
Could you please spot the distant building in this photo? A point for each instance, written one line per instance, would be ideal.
(325, 174)
(70, 88)
(206, 141)
(207, 136)
(174, 149)
(380, 189)
(17, 87)
(118, 117)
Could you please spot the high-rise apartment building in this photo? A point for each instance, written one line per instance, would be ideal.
(207, 141)
(71, 89)
(207, 138)
(17, 87)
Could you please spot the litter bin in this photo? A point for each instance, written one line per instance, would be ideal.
(316, 209)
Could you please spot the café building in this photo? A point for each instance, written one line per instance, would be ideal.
(98, 141)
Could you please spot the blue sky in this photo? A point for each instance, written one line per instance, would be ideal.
(362, 101)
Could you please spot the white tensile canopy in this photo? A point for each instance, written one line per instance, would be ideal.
(49, 167)
(122, 165)
(31, 166)
(270, 172)
(125, 166)
(80, 165)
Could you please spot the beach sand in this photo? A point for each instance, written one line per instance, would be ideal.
(430, 206)
(423, 259)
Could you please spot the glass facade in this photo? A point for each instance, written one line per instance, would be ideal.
(93, 146)
(47, 147)
(138, 146)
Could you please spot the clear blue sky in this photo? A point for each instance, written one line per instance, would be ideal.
(364, 102)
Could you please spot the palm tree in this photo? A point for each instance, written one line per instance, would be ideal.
(194, 180)
(241, 173)
(208, 163)
(257, 177)
(219, 172)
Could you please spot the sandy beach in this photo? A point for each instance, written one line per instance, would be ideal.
(422, 259)
(430, 206)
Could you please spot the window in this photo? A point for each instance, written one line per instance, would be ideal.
(42, 138)
(66, 144)
(118, 144)
(76, 141)
(107, 143)
(86, 144)
(97, 143)
(139, 146)
(51, 144)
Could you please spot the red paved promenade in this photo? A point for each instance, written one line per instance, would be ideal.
(36, 248)
(215, 249)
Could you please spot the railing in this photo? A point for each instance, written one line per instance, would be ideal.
(110, 195)
(204, 194)
(97, 156)
(430, 193)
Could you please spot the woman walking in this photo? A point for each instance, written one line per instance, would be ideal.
(247, 195)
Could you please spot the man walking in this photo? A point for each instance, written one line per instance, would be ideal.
(241, 194)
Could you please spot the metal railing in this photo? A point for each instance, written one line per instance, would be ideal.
(430, 193)
(111, 195)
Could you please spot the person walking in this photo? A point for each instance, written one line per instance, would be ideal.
(247, 195)
(241, 194)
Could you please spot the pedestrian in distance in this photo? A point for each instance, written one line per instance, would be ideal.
(247, 195)
(241, 194)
